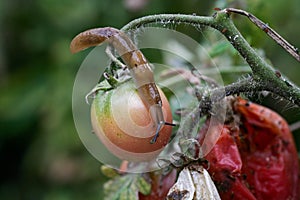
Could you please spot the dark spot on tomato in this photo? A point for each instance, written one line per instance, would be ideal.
(224, 185)
(285, 143)
(244, 176)
(247, 104)
(275, 149)
(230, 176)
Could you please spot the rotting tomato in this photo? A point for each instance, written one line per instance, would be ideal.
(270, 160)
(225, 166)
(123, 123)
(255, 156)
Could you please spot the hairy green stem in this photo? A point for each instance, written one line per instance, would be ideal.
(264, 77)
(244, 85)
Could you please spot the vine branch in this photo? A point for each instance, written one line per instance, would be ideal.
(264, 77)
(273, 34)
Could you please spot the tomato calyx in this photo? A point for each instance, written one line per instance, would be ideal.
(109, 83)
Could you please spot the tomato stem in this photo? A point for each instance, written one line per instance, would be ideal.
(113, 82)
(263, 78)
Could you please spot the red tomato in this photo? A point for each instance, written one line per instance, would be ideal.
(225, 165)
(270, 159)
(255, 156)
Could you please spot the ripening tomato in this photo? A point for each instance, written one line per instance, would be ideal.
(255, 156)
(124, 125)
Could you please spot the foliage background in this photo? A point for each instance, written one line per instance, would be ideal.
(41, 154)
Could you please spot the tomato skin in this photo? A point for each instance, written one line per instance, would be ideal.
(116, 116)
(255, 157)
(225, 165)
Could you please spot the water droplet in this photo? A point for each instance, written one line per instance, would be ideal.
(235, 37)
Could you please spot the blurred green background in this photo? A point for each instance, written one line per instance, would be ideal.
(41, 155)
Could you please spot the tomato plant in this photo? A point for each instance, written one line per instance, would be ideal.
(254, 157)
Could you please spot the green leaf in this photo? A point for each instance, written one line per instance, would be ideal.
(115, 187)
(129, 194)
(133, 195)
(143, 186)
(126, 187)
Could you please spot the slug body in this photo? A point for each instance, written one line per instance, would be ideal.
(136, 62)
